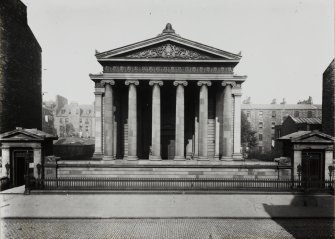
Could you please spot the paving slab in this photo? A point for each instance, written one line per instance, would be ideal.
(166, 206)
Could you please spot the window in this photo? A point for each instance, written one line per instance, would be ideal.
(60, 120)
(260, 114)
(86, 128)
(260, 125)
(273, 124)
(260, 148)
(274, 114)
(296, 113)
(260, 137)
(63, 111)
(309, 114)
(248, 114)
(66, 120)
(80, 120)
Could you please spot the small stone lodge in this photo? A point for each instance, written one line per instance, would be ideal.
(23, 152)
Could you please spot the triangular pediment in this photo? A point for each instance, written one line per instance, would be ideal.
(21, 134)
(169, 46)
(314, 137)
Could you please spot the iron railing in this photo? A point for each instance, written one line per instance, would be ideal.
(179, 184)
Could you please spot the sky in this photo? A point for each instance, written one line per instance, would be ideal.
(286, 44)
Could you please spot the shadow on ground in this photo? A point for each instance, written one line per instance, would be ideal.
(303, 208)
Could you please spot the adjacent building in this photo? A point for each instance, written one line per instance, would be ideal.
(265, 117)
(20, 70)
(74, 120)
(328, 101)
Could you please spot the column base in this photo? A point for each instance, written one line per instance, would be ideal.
(132, 158)
(226, 158)
(203, 158)
(97, 156)
(237, 157)
(216, 157)
(179, 158)
(155, 158)
(106, 158)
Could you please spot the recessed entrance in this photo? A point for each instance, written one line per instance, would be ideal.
(313, 167)
(18, 165)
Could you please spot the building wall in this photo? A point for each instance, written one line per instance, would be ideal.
(20, 70)
(48, 121)
(264, 118)
(328, 100)
(81, 117)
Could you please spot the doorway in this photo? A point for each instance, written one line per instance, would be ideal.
(18, 165)
(313, 168)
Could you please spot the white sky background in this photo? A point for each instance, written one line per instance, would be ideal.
(286, 44)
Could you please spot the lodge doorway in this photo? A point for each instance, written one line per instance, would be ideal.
(313, 168)
(20, 159)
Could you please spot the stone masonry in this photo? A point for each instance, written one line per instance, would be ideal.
(20, 82)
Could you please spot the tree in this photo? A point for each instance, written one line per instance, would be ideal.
(248, 137)
(69, 130)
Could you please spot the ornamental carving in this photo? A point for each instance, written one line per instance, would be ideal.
(169, 69)
(168, 51)
(204, 82)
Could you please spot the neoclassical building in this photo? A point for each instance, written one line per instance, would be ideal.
(167, 98)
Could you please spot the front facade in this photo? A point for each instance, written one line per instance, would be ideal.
(265, 117)
(167, 98)
(20, 70)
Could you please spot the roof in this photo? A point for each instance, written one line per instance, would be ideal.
(280, 107)
(22, 134)
(294, 135)
(299, 120)
(309, 137)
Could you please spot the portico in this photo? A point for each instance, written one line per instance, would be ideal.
(167, 98)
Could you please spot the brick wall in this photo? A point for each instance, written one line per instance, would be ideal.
(20, 70)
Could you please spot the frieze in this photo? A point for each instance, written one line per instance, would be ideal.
(168, 69)
(169, 51)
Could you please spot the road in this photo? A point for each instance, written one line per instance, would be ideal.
(167, 228)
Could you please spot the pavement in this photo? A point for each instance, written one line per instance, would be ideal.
(166, 228)
(14, 204)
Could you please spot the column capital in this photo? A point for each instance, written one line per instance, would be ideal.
(232, 83)
(156, 82)
(180, 82)
(236, 92)
(105, 82)
(204, 82)
(129, 82)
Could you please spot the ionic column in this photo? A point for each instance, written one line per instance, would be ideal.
(227, 124)
(203, 119)
(108, 120)
(98, 122)
(237, 124)
(180, 120)
(156, 121)
(132, 119)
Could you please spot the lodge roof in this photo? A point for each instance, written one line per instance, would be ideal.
(300, 120)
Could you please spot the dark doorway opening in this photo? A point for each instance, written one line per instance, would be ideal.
(313, 168)
(19, 165)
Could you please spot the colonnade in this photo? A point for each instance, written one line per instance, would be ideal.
(231, 120)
